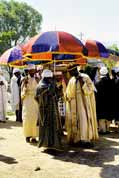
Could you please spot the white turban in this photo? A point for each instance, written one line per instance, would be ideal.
(103, 71)
(40, 67)
(15, 70)
(116, 70)
(57, 73)
(31, 66)
(46, 73)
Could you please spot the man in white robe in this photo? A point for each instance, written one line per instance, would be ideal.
(15, 95)
(29, 106)
(3, 97)
(81, 123)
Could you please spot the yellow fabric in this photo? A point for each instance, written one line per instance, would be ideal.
(28, 130)
(81, 123)
(88, 89)
(30, 108)
(71, 88)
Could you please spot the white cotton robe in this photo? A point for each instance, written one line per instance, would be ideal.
(81, 122)
(3, 98)
(14, 93)
(30, 108)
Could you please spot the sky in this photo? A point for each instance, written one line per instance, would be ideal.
(95, 19)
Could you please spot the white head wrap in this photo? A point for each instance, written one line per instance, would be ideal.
(103, 71)
(16, 70)
(47, 73)
(117, 70)
(57, 73)
(31, 66)
(100, 65)
(40, 67)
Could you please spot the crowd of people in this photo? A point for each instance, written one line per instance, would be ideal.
(50, 104)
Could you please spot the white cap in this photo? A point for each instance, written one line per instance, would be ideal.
(15, 70)
(31, 66)
(47, 73)
(100, 65)
(103, 71)
(40, 67)
(117, 69)
(58, 73)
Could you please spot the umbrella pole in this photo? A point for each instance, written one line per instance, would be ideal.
(53, 63)
(54, 67)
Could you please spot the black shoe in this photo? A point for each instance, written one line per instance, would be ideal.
(2, 121)
(89, 145)
(72, 144)
(102, 133)
(108, 132)
(28, 139)
(84, 144)
(33, 140)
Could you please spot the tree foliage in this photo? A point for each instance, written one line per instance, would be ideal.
(111, 63)
(114, 47)
(18, 22)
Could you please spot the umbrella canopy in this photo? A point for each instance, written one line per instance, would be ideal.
(96, 49)
(11, 55)
(42, 46)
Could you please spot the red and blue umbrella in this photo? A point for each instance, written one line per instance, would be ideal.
(11, 56)
(96, 49)
(54, 45)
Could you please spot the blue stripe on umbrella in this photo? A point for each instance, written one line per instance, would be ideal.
(102, 50)
(16, 53)
(63, 56)
(45, 41)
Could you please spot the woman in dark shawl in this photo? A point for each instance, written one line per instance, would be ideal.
(49, 120)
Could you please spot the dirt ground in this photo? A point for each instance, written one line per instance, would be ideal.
(19, 159)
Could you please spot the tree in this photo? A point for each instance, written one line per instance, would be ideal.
(18, 22)
(114, 47)
(112, 61)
